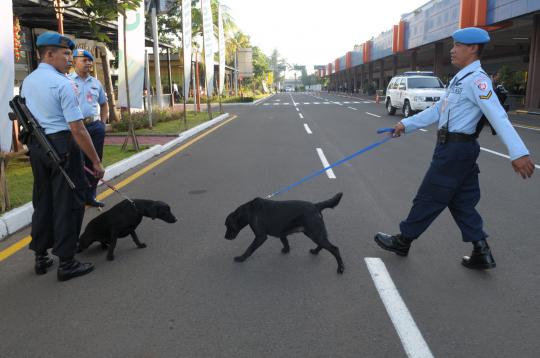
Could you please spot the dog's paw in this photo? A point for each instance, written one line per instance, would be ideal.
(341, 269)
(285, 250)
(110, 257)
(141, 246)
(314, 251)
(239, 259)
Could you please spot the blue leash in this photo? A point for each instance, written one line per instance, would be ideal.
(319, 172)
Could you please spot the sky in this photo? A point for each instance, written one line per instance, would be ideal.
(315, 32)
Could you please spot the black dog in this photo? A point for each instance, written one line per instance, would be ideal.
(281, 218)
(120, 221)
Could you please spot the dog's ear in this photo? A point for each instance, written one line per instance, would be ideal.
(152, 211)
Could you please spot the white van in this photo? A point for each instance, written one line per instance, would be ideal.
(413, 92)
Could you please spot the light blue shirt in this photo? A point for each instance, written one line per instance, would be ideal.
(466, 99)
(51, 97)
(91, 95)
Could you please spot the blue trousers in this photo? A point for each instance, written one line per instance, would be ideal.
(96, 130)
(451, 181)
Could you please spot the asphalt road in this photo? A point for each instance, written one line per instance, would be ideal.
(184, 296)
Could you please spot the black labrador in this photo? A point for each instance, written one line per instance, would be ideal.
(120, 221)
(281, 218)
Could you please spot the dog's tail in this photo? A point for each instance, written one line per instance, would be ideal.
(330, 203)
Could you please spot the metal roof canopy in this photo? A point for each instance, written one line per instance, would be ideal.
(41, 14)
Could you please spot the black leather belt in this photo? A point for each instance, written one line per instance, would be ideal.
(58, 135)
(445, 137)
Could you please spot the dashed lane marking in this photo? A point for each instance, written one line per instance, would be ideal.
(329, 172)
(374, 115)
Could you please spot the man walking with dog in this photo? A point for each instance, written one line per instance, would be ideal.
(58, 210)
(452, 178)
(95, 110)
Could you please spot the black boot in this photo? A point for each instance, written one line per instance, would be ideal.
(481, 257)
(95, 203)
(70, 268)
(398, 244)
(43, 262)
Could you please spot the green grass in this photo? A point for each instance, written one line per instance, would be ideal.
(20, 179)
(175, 126)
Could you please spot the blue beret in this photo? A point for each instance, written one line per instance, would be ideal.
(471, 36)
(51, 38)
(82, 53)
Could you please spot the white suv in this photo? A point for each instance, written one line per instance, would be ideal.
(413, 92)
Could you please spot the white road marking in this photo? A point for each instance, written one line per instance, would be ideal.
(301, 116)
(316, 103)
(292, 99)
(367, 102)
(339, 104)
(329, 172)
(307, 129)
(526, 127)
(276, 104)
(306, 102)
(266, 104)
(374, 115)
(326, 102)
(286, 103)
(414, 344)
(423, 130)
(356, 102)
(354, 109)
(298, 109)
(501, 155)
(346, 102)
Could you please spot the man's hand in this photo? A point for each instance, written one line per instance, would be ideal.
(398, 129)
(99, 171)
(523, 166)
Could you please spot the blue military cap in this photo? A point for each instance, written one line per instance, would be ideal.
(82, 53)
(471, 36)
(51, 38)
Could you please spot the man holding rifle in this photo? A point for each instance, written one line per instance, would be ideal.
(58, 210)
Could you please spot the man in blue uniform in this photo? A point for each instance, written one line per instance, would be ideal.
(58, 211)
(452, 178)
(95, 110)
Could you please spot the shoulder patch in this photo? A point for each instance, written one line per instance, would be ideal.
(487, 96)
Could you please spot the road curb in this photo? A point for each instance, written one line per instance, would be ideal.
(20, 217)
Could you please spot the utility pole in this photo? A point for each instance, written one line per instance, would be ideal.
(157, 67)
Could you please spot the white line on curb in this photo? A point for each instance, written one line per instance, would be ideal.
(354, 109)
(414, 344)
(308, 130)
(502, 155)
(374, 115)
(329, 172)
(301, 116)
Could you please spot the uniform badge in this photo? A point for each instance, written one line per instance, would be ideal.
(488, 96)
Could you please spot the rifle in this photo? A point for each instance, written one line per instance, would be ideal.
(31, 127)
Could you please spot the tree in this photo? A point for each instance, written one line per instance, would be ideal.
(99, 11)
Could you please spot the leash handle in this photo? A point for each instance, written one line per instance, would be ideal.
(319, 172)
(385, 130)
(112, 187)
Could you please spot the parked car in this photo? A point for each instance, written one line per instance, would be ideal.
(413, 92)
